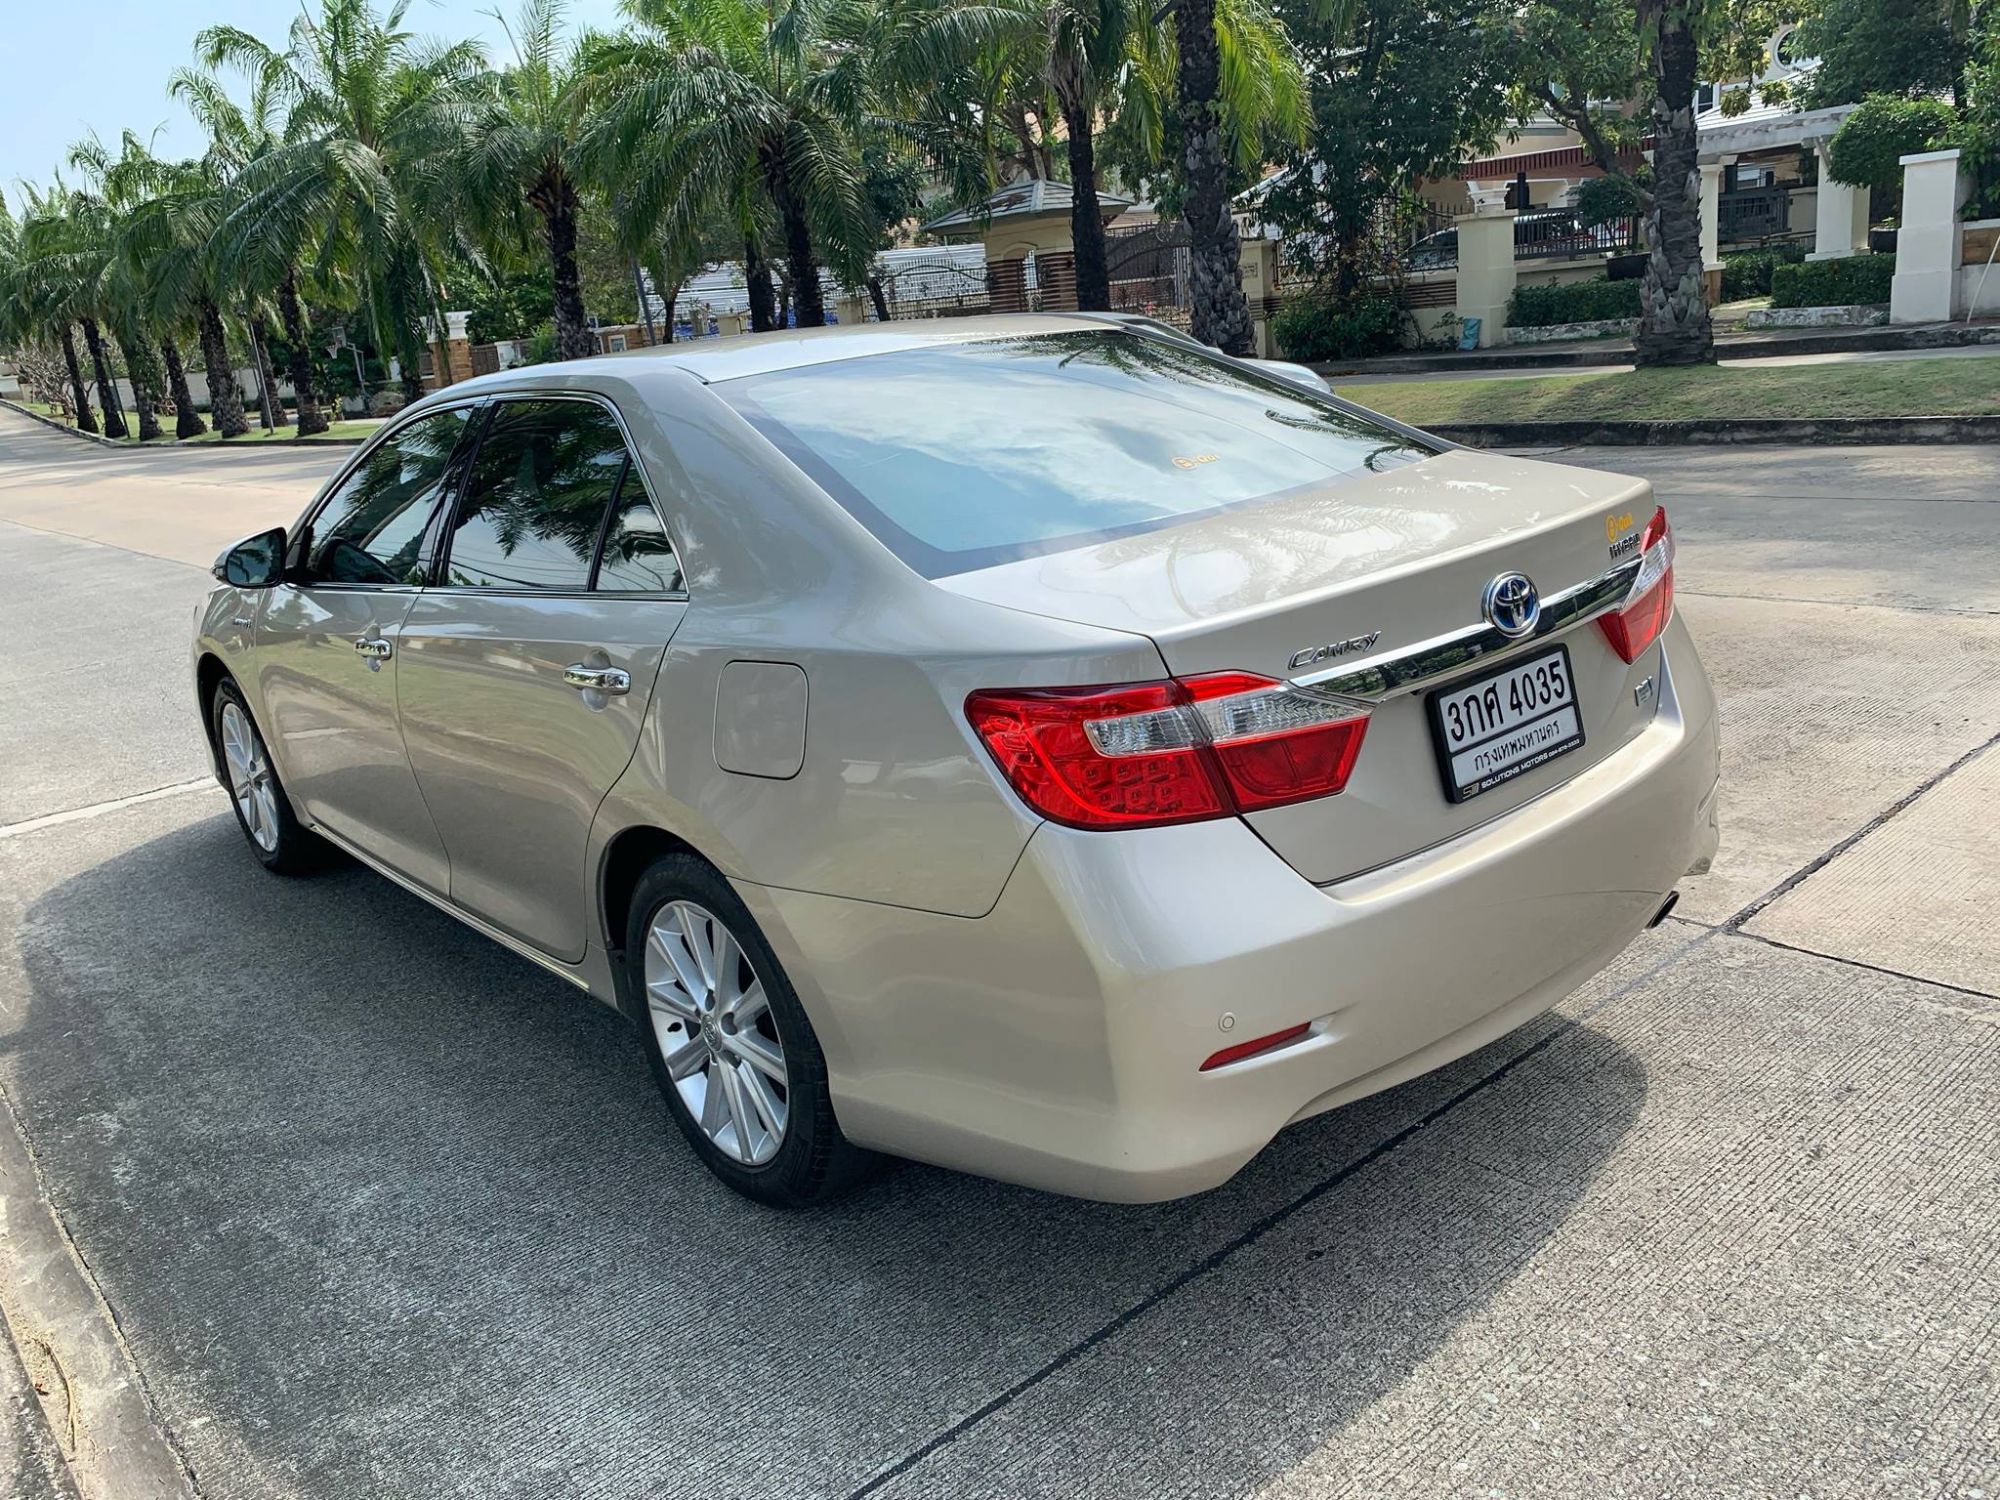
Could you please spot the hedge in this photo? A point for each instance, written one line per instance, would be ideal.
(1319, 326)
(1573, 302)
(1748, 273)
(1853, 280)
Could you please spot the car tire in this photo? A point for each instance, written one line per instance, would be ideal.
(729, 1043)
(281, 843)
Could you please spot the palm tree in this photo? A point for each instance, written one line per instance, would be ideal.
(117, 185)
(60, 276)
(174, 232)
(1674, 326)
(522, 154)
(704, 96)
(30, 311)
(361, 179)
(1203, 90)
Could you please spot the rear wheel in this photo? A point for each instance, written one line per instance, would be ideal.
(730, 1045)
(281, 843)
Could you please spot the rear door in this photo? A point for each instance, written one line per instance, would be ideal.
(526, 670)
(326, 658)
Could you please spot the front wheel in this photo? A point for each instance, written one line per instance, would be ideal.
(730, 1045)
(281, 843)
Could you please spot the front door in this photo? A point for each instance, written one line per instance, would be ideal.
(523, 678)
(327, 649)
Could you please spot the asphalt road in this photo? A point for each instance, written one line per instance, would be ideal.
(376, 1209)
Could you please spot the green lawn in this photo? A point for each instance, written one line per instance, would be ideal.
(1875, 388)
(353, 431)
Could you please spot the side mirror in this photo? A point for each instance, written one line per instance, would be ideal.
(256, 562)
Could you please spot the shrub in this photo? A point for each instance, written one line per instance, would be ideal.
(1318, 325)
(1865, 150)
(1851, 281)
(1573, 302)
(1748, 272)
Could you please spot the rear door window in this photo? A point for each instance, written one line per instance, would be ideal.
(961, 456)
(537, 497)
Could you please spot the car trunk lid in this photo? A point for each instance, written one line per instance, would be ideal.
(1354, 575)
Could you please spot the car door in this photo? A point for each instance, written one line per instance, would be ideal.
(327, 638)
(524, 673)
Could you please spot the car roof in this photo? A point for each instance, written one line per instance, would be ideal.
(717, 359)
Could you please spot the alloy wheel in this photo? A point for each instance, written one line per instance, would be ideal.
(716, 1032)
(250, 777)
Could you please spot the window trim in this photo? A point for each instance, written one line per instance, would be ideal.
(442, 560)
(447, 499)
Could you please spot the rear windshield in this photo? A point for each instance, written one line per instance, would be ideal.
(961, 456)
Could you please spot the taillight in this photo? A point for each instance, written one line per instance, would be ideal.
(1148, 753)
(1637, 623)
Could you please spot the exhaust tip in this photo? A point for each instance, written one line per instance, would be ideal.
(1666, 909)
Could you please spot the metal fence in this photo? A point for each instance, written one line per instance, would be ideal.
(935, 288)
(1150, 270)
(1754, 214)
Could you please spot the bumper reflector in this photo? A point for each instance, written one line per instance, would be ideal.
(1269, 1043)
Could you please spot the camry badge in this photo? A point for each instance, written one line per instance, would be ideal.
(1331, 649)
(1512, 606)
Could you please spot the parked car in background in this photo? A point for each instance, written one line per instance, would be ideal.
(1039, 746)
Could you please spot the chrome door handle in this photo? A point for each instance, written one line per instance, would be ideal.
(612, 680)
(376, 650)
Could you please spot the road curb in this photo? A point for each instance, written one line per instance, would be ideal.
(68, 1339)
(119, 447)
(1815, 431)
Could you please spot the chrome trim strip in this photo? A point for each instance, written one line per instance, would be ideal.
(556, 966)
(1411, 668)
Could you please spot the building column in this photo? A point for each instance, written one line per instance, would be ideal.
(1930, 242)
(1486, 270)
(1711, 225)
(1258, 261)
(1840, 223)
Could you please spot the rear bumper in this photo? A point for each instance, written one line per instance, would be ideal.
(1057, 1041)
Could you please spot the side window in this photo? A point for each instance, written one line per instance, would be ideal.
(535, 501)
(371, 529)
(637, 555)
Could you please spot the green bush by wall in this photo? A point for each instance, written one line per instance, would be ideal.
(1748, 272)
(1573, 302)
(1847, 282)
(1318, 326)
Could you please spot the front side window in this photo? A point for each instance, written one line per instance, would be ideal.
(371, 529)
(962, 456)
(537, 497)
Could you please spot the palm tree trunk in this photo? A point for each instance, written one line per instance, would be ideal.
(876, 295)
(1086, 220)
(1674, 327)
(187, 421)
(142, 363)
(107, 389)
(763, 299)
(85, 422)
(808, 298)
(273, 415)
(1221, 315)
(557, 202)
(311, 418)
(667, 301)
(225, 402)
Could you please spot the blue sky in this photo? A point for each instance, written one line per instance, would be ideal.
(69, 67)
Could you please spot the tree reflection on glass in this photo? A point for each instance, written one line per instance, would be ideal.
(536, 497)
(372, 529)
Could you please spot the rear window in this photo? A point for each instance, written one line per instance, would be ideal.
(962, 456)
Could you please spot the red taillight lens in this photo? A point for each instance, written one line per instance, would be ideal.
(1150, 753)
(1637, 623)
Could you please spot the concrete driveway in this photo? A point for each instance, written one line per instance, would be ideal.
(347, 1201)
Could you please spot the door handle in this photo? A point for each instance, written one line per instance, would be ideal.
(375, 650)
(613, 680)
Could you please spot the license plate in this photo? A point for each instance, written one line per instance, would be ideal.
(1505, 723)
